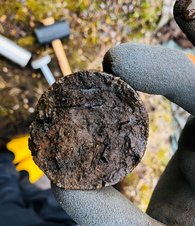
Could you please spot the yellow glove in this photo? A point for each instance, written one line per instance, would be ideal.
(23, 159)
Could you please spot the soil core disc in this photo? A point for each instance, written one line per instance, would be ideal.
(89, 130)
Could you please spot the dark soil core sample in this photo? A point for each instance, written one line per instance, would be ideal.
(89, 130)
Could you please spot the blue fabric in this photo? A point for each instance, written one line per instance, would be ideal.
(23, 204)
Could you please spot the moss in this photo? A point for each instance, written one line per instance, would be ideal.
(79, 5)
(21, 14)
(144, 17)
(10, 7)
(41, 8)
(3, 111)
(26, 41)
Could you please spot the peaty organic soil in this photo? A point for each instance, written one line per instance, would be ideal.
(89, 131)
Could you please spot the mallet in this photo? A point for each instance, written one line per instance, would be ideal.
(53, 32)
(14, 52)
(41, 63)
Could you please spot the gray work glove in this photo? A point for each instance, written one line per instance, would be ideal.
(154, 70)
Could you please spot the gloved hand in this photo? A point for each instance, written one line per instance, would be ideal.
(153, 70)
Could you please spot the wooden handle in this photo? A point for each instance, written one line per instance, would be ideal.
(59, 50)
(61, 56)
(48, 21)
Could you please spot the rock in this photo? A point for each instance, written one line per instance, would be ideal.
(89, 130)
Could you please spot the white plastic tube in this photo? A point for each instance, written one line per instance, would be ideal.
(14, 52)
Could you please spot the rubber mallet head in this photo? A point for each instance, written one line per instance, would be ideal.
(53, 32)
(47, 34)
(14, 52)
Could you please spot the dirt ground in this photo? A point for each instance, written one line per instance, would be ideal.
(95, 27)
